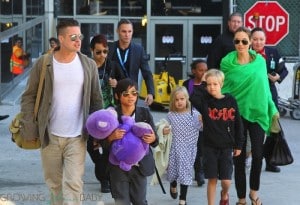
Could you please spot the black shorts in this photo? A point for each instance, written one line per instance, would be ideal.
(217, 163)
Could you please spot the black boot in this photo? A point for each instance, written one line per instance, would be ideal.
(272, 168)
(105, 186)
(199, 173)
(199, 177)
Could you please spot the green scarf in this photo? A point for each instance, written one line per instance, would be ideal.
(250, 86)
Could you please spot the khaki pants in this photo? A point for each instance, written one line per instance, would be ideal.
(63, 162)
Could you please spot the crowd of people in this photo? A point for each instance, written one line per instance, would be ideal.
(210, 117)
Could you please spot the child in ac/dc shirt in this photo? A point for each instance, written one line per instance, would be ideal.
(222, 133)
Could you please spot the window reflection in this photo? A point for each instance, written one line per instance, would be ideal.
(34, 7)
(97, 7)
(139, 32)
(91, 29)
(34, 41)
(168, 40)
(203, 36)
(169, 49)
(133, 8)
(186, 8)
(9, 7)
(110, 7)
(7, 24)
(63, 7)
(6, 49)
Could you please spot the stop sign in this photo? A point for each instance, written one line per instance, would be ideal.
(270, 16)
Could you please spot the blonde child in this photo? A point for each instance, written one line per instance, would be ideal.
(185, 125)
(222, 133)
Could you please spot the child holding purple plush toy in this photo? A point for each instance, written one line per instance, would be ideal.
(129, 150)
(130, 186)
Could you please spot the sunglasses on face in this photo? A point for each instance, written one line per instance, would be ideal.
(244, 42)
(74, 37)
(105, 51)
(127, 93)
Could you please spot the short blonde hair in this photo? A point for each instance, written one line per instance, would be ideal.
(179, 89)
(215, 73)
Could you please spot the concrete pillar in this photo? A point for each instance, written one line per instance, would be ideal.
(50, 24)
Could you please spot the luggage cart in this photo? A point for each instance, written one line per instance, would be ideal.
(164, 83)
(292, 105)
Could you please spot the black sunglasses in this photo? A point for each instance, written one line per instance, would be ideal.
(127, 93)
(105, 51)
(244, 42)
(75, 36)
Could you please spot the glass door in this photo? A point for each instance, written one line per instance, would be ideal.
(176, 44)
(202, 33)
(168, 49)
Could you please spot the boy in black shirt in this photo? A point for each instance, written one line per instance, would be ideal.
(222, 132)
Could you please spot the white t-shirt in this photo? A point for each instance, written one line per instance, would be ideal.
(66, 116)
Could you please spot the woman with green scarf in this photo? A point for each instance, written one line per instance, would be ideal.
(246, 79)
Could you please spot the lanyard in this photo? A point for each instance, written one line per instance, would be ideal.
(101, 80)
(123, 62)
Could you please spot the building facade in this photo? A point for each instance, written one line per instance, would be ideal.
(173, 32)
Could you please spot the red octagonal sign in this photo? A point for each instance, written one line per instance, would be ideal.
(270, 16)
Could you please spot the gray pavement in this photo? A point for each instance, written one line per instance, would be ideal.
(21, 176)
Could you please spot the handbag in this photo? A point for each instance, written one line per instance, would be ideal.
(281, 154)
(20, 127)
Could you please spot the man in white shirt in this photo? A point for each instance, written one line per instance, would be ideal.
(71, 91)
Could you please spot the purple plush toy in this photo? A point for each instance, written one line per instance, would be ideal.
(124, 152)
(100, 124)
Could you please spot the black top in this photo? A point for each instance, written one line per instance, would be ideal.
(222, 124)
(137, 61)
(222, 45)
(280, 69)
(112, 69)
(109, 69)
